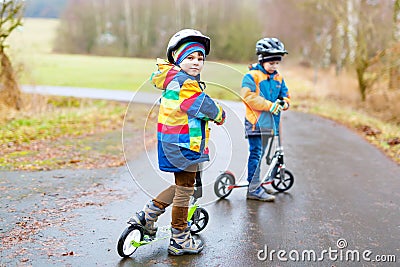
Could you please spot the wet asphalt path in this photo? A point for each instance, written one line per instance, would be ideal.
(345, 189)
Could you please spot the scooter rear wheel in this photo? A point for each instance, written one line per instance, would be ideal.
(132, 233)
(221, 185)
(282, 184)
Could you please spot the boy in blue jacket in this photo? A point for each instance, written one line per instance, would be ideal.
(263, 87)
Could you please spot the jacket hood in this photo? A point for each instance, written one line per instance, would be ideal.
(165, 74)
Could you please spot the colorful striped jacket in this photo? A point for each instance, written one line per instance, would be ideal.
(259, 90)
(184, 110)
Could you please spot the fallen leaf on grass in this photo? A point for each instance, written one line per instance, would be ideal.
(368, 130)
(116, 164)
(394, 141)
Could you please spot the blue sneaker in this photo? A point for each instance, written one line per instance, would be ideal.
(260, 194)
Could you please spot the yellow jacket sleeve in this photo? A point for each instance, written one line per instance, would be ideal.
(254, 100)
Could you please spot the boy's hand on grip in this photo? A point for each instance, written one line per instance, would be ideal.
(223, 119)
(285, 105)
(276, 107)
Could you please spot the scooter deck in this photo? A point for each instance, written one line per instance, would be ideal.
(162, 233)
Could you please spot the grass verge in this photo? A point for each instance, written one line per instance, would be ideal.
(70, 133)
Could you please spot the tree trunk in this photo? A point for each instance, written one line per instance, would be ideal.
(353, 20)
(396, 21)
(394, 70)
(147, 18)
(193, 14)
(340, 47)
(205, 18)
(362, 84)
(10, 94)
(178, 14)
(128, 29)
(97, 17)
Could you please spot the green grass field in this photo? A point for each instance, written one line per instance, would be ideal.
(88, 71)
(115, 73)
(31, 47)
(35, 36)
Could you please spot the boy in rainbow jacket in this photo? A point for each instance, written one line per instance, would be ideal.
(182, 134)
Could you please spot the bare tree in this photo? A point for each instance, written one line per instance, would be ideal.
(364, 39)
(356, 36)
(353, 20)
(97, 17)
(394, 69)
(11, 17)
(128, 46)
(340, 48)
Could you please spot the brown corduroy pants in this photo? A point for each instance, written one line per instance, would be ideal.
(178, 195)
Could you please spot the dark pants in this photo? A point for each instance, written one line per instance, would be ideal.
(257, 146)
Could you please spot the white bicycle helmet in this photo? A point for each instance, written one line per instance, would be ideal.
(183, 36)
(270, 46)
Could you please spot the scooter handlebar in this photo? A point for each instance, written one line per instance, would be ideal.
(281, 102)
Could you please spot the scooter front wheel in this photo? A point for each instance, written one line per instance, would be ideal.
(199, 220)
(282, 184)
(222, 184)
(132, 233)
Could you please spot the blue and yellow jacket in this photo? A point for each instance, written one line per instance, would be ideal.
(183, 118)
(259, 91)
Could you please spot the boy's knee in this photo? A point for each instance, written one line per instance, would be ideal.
(255, 153)
(182, 196)
(164, 199)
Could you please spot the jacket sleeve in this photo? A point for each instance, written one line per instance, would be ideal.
(198, 104)
(285, 94)
(251, 97)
